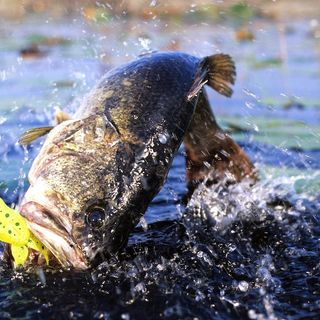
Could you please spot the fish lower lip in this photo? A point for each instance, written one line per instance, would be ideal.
(53, 236)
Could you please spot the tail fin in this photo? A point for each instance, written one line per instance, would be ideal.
(218, 71)
(212, 154)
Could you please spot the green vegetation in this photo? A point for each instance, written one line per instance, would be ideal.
(283, 102)
(305, 181)
(42, 40)
(266, 63)
(241, 12)
(279, 132)
(202, 13)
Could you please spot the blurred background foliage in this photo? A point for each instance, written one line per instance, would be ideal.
(239, 10)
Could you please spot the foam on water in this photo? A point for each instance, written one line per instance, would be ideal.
(222, 206)
(246, 251)
(268, 227)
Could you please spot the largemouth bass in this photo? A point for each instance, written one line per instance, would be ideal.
(97, 172)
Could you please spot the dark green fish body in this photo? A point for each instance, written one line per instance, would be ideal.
(145, 103)
(96, 174)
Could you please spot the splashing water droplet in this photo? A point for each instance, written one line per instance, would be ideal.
(3, 75)
(252, 314)
(145, 43)
(125, 316)
(144, 224)
(153, 3)
(251, 94)
(163, 138)
(249, 105)
(41, 276)
(2, 120)
(255, 127)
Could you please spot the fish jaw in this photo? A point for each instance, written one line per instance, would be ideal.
(53, 232)
(64, 250)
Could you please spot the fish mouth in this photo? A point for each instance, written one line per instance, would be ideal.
(53, 230)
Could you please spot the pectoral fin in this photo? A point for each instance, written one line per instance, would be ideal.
(33, 134)
(218, 71)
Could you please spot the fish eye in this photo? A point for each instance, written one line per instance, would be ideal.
(95, 217)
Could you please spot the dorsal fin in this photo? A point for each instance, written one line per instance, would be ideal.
(218, 71)
(61, 116)
(33, 134)
(147, 53)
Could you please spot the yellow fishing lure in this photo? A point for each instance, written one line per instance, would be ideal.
(14, 230)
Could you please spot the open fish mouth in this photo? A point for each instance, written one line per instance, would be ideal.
(53, 230)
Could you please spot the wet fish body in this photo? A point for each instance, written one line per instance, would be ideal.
(97, 173)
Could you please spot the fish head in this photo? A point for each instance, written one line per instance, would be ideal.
(79, 203)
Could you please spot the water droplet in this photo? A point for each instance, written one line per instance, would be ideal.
(262, 291)
(2, 120)
(255, 127)
(251, 94)
(163, 138)
(243, 286)
(144, 223)
(160, 267)
(41, 276)
(314, 23)
(125, 316)
(153, 3)
(140, 287)
(252, 314)
(145, 43)
(3, 75)
(249, 105)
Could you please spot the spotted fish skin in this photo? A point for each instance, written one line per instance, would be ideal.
(96, 174)
(146, 103)
(146, 97)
